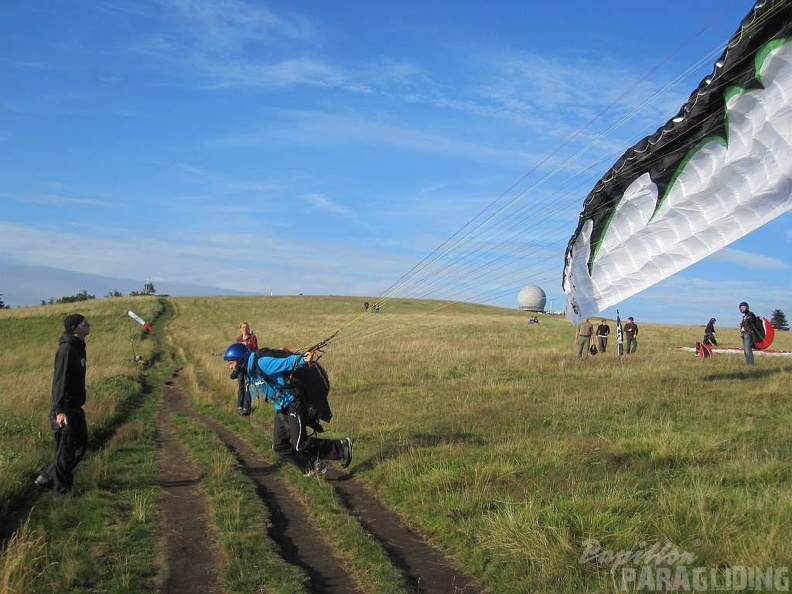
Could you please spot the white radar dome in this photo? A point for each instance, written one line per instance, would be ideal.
(532, 298)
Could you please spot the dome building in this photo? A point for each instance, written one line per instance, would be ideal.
(532, 298)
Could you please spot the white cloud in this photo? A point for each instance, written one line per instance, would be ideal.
(229, 43)
(313, 128)
(58, 200)
(273, 75)
(226, 25)
(750, 259)
(321, 202)
(215, 259)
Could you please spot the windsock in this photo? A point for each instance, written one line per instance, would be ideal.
(140, 321)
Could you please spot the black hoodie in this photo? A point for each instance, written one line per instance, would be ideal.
(68, 381)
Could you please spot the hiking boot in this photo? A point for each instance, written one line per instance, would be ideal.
(346, 456)
(317, 469)
(43, 482)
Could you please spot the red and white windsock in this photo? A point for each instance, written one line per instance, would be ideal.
(140, 321)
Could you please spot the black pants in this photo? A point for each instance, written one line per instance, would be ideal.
(243, 396)
(71, 443)
(290, 436)
(631, 343)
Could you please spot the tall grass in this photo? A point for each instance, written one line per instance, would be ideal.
(29, 341)
(24, 560)
(493, 438)
(73, 545)
(484, 433)
(251, 560)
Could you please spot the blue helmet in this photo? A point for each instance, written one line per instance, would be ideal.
(236, 352)
(744, 303)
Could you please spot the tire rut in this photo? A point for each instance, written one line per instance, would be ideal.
(289, 527)
(190, 561)
(425, 568)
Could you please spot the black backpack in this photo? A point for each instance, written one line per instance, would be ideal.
(310, 384)
(757, 329)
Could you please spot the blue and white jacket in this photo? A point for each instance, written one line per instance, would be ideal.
(267, 378)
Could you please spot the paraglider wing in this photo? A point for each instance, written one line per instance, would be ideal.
(721, 168)
(140, 320)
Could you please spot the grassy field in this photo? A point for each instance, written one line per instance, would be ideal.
(486, 434)
(74, 546)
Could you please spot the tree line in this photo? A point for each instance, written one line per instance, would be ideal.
(777, 318)
(84, 295)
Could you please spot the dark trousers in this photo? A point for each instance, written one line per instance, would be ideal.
(631, 343)
(243, 396)
(71, 443)
(290, 436)
(603, 343)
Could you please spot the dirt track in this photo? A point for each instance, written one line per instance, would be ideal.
(424, 568)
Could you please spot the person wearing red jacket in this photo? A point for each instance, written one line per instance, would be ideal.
(248, 338)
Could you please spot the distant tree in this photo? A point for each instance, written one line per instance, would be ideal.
(2, 303)
(81, 296)
(148, 289)
(778, 320)
(114, 293)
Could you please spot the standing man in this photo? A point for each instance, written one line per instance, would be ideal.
(67, 418)
(747, 325)
(269, 377)
(603, 330)
(583, 338)
(631, 336)
(709, 333)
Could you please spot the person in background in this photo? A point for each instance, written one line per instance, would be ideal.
(248, 338)
(709, 333)
(269, 376)
(747, 325)
(630, 336)
(67, 418)
(583, 338)
(603, 330)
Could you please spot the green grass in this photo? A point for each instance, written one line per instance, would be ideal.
(485, 434)
(73, 545)
(240, 517)
(493, 439)
(362, 557)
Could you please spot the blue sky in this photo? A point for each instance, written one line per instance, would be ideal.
(329, 148)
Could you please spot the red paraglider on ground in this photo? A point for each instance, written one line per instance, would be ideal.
(761, 346)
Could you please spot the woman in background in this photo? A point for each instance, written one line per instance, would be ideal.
(248, 338)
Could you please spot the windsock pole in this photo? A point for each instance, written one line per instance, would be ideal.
(140, 320)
